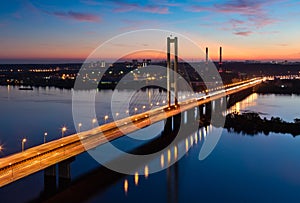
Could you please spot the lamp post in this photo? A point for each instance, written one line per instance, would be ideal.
(45, 135)
(105, 118)
(93, 122)
(23, 142)
(12, 170)
(63, 130)
(79, 126)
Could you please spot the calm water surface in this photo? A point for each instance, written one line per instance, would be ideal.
(241, 168)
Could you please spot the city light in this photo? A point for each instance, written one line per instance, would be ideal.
(79, 127)
(105, 118)
(94, 120)
(63, 130)
(45, 135)
(23, 143)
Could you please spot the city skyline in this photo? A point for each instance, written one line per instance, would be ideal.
(55, 31)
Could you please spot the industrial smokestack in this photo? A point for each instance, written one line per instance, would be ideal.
(220, 62)
(206, 55)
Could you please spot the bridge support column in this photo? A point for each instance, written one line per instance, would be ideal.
(208, 109)
(50, 180)
(177, 122)
(168, 125)
(171, 77)
(64, 173)
(172, 124)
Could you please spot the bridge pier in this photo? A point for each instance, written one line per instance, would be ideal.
(50, 180)
(64, 173)
(201, 111)
(168, 128)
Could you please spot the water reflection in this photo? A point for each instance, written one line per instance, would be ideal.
(162, 161)
(146, 171)
(175, 153)
(243, 105)
(191, 141)
(136, 178)
(126, 186)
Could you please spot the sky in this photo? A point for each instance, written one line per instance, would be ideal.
(55, 30)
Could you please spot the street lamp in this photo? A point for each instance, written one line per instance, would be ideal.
(105, 118)
(117, 114)
(63, 130)
(79, 126)
(93, 122)
(23, 142)
(45, 135)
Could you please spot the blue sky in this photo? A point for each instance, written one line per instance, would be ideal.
(253, 29)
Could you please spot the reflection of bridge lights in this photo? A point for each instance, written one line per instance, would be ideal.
(175, 152)
(192, 140)
(186, 145)
(136, 178)
(126, 186)
(162, 160)
(146, 171)
(169, 156)
(196, 138)
(200, 135)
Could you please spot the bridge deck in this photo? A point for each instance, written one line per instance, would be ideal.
(37, 158)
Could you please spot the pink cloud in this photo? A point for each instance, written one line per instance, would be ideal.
(127, 7)
(243, 33)
(83, 17)
(253, 12)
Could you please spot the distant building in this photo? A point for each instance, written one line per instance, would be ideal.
(134, 62)
(102, 64)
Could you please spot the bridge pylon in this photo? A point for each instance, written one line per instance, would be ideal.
(171, 77)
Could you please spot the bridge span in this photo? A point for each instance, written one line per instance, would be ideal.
(32, 160)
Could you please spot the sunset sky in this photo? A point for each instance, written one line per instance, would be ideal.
(56, 30)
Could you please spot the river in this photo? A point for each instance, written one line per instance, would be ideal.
(241, 168)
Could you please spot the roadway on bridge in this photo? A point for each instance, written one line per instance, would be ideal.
(37, 158)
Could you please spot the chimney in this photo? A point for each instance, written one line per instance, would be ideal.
(206, 55)
(220, 62)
